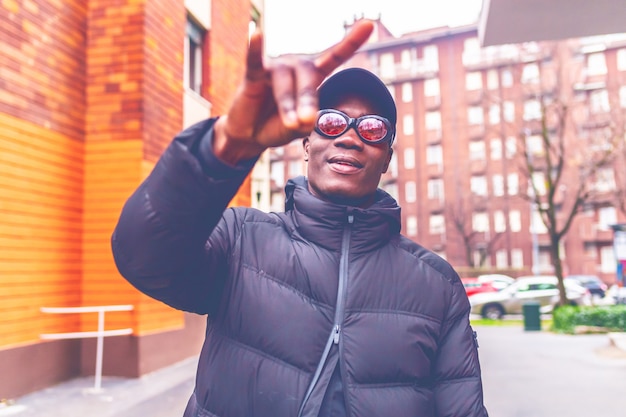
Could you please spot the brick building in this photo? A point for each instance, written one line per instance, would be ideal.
(91, 92)
(462, 112)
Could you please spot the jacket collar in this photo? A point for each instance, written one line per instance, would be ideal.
(323, 222)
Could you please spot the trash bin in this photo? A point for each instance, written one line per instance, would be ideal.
(532, 316)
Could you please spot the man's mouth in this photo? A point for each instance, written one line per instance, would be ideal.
(345, 161)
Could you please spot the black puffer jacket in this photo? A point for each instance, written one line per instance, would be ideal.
(292, 295)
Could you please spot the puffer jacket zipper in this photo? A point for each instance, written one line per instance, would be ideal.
(335, 334)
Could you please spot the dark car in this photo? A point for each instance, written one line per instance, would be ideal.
(594, 284)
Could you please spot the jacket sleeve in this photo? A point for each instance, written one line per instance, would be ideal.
(161, 242)
(458, 384)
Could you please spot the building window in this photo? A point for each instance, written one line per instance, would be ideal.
(471, 51)
(478, 185)
(410, 192)
(606, 217)
(501, 259)
(407, 124)
(499, 221)
(608, 263)
(545, 261)
(509, 111)
(431, 87)
(498, 185)
(622, 97)
(515, 221)
(511, 147)
(475, 115)
(480, 222)
(393, 165)
(295, 168)
(432, 120)
(532, 110)
(411, 226)
(537, 226)
(621, 59)
(473, 81)
(492, 79)
(392, 190)
(409, 158)
(530, 73)
(405, 59)
(539, 183)
(534, 145)
(277, 173)
(477, 150)
(507, 78)
(431, 57)
(194, 42)
(494, 114)
(387, 65)
(407, 92)
(599, 102)
(495, 146)
(517, 258)
(436, 224)
(512, 184)
(596, 64)
(605, 180)
(435, 189)
(434, 155)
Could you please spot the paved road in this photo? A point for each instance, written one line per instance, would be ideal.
(525, 374)
(541, 374)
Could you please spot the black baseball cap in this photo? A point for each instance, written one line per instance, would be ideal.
(360, 82)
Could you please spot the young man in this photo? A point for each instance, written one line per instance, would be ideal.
(325, 309)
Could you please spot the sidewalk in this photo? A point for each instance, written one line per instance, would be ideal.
(163, 393)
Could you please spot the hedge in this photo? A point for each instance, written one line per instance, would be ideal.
(565, 319)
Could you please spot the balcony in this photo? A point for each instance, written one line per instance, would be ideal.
(478, 166)
(593, 233)
(417, 69)
(434, 170)
(433, 137)
(474, 96)
(435, 205)
(432, 102)
(476, 131)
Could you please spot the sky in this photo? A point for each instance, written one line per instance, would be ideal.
(309, 26)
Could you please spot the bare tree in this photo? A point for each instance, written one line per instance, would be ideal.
(461, 213)
(564, 155)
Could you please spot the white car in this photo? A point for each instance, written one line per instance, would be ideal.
(497, 281)
(541, 289)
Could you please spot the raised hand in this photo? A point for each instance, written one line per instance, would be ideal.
(277, 102)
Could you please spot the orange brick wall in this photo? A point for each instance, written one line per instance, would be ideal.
(42, 106)
(228, 45)
(90, 95)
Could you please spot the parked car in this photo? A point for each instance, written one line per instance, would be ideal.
(498, 281)
(475, 286)
(542, 289)
(593, 283)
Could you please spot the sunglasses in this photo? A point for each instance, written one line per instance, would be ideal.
(371, 129)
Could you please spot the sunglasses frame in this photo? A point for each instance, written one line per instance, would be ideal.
(352, 122)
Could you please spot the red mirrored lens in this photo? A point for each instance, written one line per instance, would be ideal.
(332, 124)
(372, 129)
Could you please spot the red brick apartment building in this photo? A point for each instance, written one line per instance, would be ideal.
(461, 112)
(90, 94)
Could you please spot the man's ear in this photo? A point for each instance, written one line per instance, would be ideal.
(305, 147)
(386, 166)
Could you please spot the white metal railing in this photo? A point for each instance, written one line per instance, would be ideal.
(100, 334)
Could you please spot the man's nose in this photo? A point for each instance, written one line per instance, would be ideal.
(349, 139)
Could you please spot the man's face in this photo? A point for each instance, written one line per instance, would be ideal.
(345, 170)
